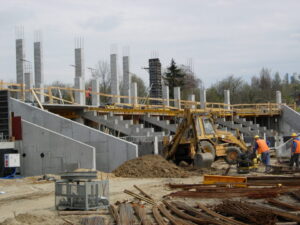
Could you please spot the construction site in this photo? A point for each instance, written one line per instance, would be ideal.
(79, 156)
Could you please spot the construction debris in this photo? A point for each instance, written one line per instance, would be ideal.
(126, 214)
(246, 213)
(283, 205)
(140, 197)
(141, 214)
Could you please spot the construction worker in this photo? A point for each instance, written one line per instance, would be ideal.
(262, 148)
(88, 96)
(295, 151)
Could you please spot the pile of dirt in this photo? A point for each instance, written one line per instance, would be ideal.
(150, 166)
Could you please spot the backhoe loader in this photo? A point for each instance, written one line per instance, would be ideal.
(198, 142)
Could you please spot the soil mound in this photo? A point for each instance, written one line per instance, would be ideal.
(150, 166)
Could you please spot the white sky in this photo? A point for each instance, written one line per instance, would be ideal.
(222, 37)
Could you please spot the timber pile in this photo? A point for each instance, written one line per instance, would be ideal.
(180, 213)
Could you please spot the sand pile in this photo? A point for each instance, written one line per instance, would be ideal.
(150, 166)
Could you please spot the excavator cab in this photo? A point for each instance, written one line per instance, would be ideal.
(198, 142)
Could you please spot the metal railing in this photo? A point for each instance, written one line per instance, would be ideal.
(65, 95)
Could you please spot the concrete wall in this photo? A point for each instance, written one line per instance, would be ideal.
(110, 151)
(61, 153)
(289, 121)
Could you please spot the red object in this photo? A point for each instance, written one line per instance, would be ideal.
(17, 128)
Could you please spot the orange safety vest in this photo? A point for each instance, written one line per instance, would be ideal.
(297, 150)
(262, 146)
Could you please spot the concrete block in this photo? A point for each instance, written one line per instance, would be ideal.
(114, 78)
(227, 99)
(203, 98)
(126, 79)
(79, 96)
(177, 97)
(102, 142)
(134, 99)
(52, 152)
(95, 88)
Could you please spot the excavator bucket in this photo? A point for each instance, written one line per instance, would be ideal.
(203, 160)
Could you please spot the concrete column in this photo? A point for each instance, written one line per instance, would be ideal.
(278, 98)
(28, 85)
(95, 88)
(79, 63)
(177, 97)
(79, 96)
(114, 78)
(155, 145)
(192, 98)
(166, 95)
(126, 79)
(134, 93)
(227, 99)
(38, 69)
(20, 56)
(203, 98)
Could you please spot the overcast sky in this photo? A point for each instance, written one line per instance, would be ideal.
(222, 37)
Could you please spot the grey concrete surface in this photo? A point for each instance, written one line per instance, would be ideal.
(79, 63)
(203, 98)
(289, 121)
(133, 93)
(114, 78)
(28, 85)
(177, 97)
(227, 99)
(60, 153)
(20, 56)
(111, 151)
(38, 68)
(79, 96)
(126, 79)
(95, 88)
(166, 95)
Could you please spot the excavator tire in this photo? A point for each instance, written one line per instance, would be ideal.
(232, 154)
(203, 160)
(207, 147)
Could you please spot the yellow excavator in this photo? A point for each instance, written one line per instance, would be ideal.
(197, 141)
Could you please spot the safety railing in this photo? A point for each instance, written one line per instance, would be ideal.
(66, 95)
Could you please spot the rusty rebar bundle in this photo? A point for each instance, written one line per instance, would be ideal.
(245, 212)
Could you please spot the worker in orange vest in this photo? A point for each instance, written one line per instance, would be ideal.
(295, 151)
(262, 148)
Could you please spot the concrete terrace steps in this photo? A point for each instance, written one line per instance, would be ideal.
(125, 127)
(244, 127)
(164, 124)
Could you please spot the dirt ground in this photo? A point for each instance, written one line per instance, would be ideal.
(29, 201)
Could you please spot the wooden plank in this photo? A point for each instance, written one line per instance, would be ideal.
(141, 214)
(115, 214)
(37, 99)
(126, 214)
